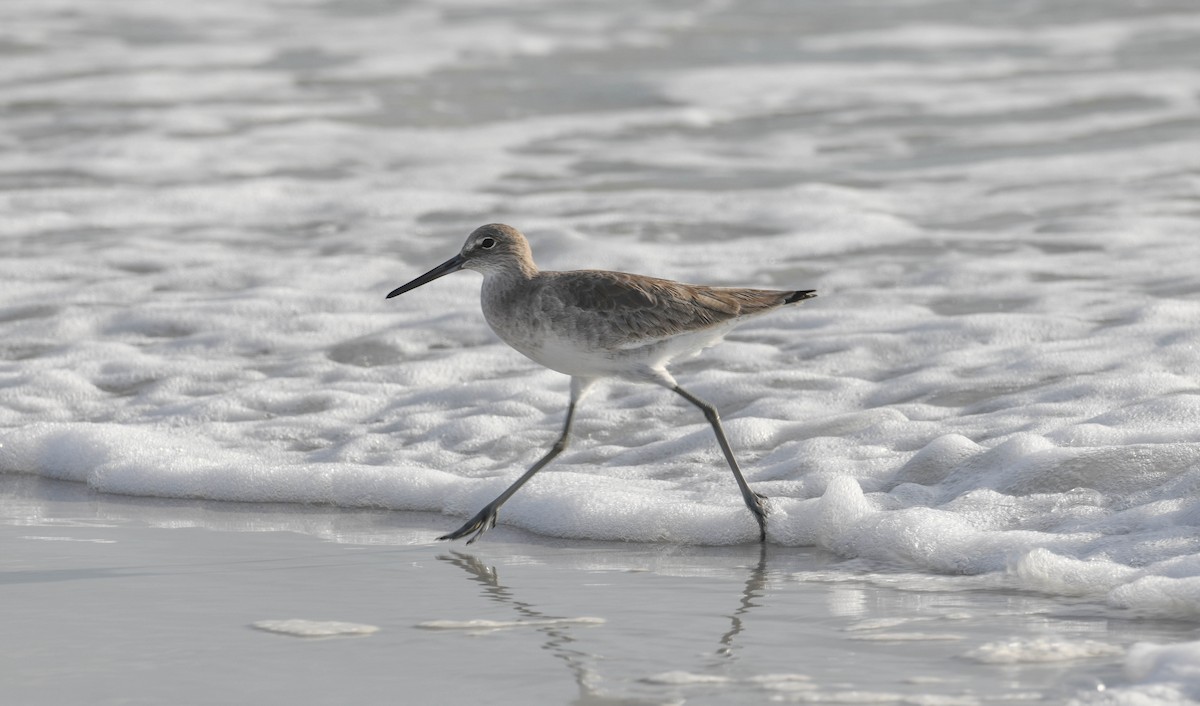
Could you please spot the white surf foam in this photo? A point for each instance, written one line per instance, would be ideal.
(300, 627)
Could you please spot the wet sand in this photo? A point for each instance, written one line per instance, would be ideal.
(139, 601)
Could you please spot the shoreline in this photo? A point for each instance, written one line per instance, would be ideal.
(130, 600)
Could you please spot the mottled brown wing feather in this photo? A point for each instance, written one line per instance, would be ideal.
(629, 308)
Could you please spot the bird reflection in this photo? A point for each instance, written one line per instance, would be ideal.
(560, 642)
(756, 583)
(558, 639)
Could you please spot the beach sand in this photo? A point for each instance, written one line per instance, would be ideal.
(116, 600)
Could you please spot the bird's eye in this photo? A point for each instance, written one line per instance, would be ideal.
(487, 243)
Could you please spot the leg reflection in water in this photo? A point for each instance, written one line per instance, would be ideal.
(563, 638)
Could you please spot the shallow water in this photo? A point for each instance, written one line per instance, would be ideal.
(997, 203)
(125, 600)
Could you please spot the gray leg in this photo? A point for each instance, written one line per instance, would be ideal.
(754, 500)
(486, 518)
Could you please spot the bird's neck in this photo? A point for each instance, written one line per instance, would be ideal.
(504, 293)
(514, 273)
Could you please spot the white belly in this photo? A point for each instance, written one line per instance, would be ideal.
(631, 361)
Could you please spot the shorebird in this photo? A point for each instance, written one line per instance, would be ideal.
(593, 324)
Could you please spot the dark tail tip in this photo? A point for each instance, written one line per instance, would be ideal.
(800, 296)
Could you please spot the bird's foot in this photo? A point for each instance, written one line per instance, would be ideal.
(757, 502)
(476, 526)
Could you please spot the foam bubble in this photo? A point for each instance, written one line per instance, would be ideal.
(1160, 595)
(299, 627)
(680, 678)
(1159, 674)
(481, 626)
(1041, 650)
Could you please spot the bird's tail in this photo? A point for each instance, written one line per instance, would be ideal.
(800, 295)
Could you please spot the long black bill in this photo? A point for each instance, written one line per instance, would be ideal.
(454, 264)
